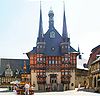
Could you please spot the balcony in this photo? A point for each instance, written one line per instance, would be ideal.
(41, 81)
(65, 76)
(41, 76)
(66, 62)
(38, 67)
(67, 66)
(53, 66)
(65, 81)
(41, 68)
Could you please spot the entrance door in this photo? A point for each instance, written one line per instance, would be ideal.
(53, 81)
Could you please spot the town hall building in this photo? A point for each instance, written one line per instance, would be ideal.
(53, 60)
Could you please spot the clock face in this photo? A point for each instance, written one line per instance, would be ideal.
(52, 34)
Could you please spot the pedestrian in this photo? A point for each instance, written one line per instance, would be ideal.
(14, 88)
(27, 86)
(87, 87)
(79, 85)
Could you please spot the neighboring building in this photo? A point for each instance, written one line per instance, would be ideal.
(81, 72)
(81, 77)
(94, 53)
(95, 74)
(10, 70)
(94, 68)
(53, 60)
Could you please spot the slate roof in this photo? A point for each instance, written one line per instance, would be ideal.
(94, 49)
(97, 60)
(52, 43)
(14, 64)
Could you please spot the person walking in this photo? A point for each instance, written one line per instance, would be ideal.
(27, 86)
(79, 85)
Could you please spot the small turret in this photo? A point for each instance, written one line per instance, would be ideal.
(51, 19)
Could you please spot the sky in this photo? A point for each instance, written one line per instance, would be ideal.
(19, 24)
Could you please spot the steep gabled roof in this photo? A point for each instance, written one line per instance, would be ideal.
(34, 50)
(52, 46)
(94, 49)
(73, 50)
(97, 60)
(14, 64)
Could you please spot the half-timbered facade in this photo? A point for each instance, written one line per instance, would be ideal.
(53, 60)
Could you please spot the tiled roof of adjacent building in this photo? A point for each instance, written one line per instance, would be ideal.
(94, 49)
(15, 64)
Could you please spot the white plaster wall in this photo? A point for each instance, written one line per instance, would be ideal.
(34, 79)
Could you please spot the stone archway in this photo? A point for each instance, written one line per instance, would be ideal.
(98, 80)
(94, 81)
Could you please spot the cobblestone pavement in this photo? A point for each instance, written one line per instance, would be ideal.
(65, 93)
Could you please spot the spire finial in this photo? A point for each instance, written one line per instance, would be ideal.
(50, 7)
(64, 5)
(78, 48)
(40, 33)
(64, 33)
(80, 56)
(40, 4)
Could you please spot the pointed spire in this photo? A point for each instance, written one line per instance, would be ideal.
(64, 33)
(80, 56)
(78, 49)
(40, 33)
(24, 67)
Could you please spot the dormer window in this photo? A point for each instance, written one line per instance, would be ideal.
(62, 46)
(52, 48)
(40, 46)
